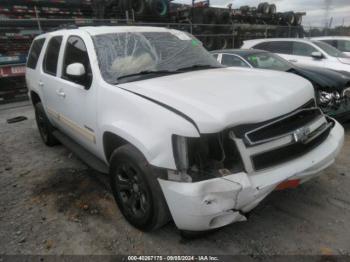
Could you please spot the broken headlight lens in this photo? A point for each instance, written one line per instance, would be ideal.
(329, 99)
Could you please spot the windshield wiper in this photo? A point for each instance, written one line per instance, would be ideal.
(147, 72)
(197, 67)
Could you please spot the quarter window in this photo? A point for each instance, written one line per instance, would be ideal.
(232, 60)
(34, 53)
(51, 56)
(331, 42)
(280, 47)
(344, 45)
(76, 52)
(303, 49)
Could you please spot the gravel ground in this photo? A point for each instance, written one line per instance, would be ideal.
(51, 203)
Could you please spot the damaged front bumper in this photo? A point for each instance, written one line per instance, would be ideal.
(221, 201)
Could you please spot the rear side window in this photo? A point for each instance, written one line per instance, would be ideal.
(232, 60)
(51, 56)
(331, 42)
(280, 47)
(344, 45)
(34, 53)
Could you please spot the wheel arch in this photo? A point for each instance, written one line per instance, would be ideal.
(112, 141)
(35, 97)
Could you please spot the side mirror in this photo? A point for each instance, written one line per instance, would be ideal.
(317, 55)
(75, 70)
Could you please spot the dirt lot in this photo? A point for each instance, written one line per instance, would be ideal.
(51, 203)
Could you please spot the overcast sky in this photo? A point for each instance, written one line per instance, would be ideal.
(316, 9)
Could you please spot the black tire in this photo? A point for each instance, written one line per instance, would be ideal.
(272, 9)
(44, 126)
(298, 19)
(139, 7)
(289, 18)
(209, 17)
(224, 43)
(264, 8)
(159, 8)
(208, 40)
(245, 9)
(225, 18)
(136, 189)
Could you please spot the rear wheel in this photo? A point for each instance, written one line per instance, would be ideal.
(44, 125)
(136, 189)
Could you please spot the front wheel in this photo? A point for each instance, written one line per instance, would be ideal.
(136, 189)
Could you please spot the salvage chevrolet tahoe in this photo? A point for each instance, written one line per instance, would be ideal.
(181, 136)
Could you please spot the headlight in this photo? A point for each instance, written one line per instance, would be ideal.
(346, 93)
(205, 157)
(329, 99)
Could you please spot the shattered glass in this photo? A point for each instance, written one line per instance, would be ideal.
(130, 53)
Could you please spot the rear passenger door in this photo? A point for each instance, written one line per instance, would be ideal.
(49, 81)
(32, 72)
(282, 48)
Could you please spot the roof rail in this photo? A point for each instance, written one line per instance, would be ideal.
(64, 26)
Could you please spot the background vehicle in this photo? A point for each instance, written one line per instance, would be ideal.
(22, 20)
(342, 43)
(303, 52)
(174, 129)
(332, 89)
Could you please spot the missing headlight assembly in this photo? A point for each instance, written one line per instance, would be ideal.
(208, 156)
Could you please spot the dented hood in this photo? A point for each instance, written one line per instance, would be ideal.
(218, 98)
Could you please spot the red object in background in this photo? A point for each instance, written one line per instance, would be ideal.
(11, 71)
(288, 184)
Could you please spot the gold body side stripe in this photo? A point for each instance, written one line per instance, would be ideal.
(87, 134)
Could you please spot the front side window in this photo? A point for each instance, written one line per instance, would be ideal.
(268, 61)
(232, 60)
(280, 47)
(34, 53)
(344, 45)
(303, 49)
(76, 52)
(133, 56)
(51, 56)
(331, 42)
(330, 50)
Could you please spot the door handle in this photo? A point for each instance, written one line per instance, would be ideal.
(61, 93)
(293, 60)
(41, 84)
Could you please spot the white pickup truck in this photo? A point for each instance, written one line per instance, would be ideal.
(182, 137)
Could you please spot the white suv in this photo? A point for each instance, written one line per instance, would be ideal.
(174, 129)
(303, 52)
(342, 43)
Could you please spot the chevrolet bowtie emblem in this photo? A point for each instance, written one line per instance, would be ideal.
(301, 134)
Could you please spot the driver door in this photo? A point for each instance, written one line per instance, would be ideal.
(302, 53)
(78, 96)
